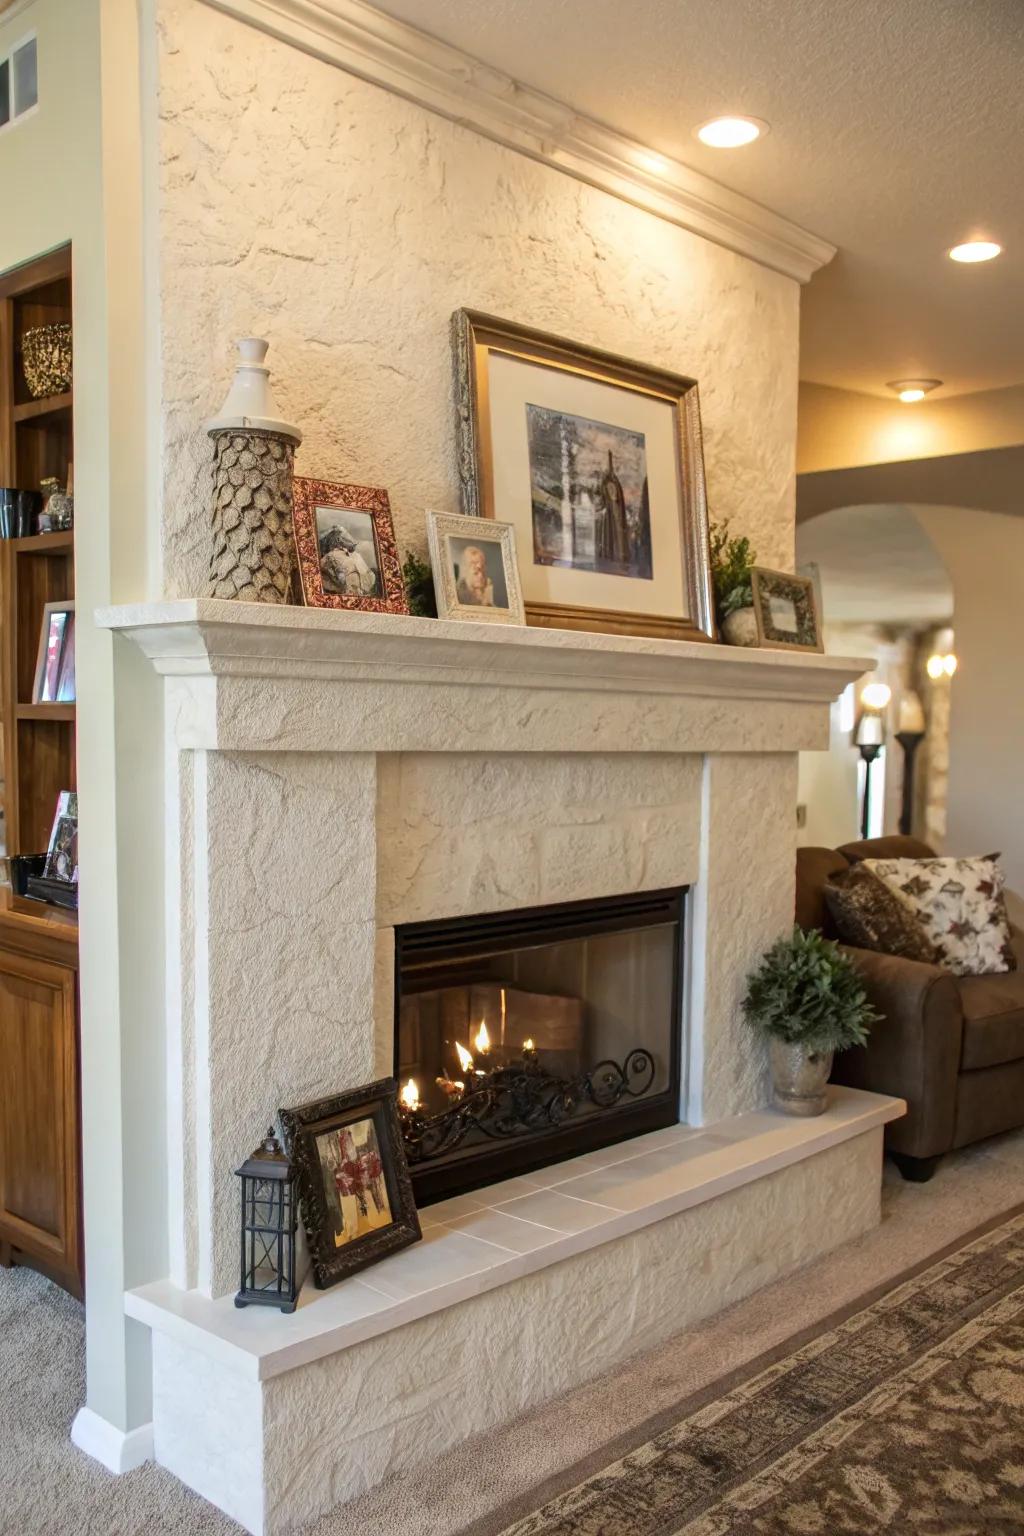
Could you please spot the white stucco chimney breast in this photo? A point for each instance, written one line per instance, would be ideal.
(331, 775)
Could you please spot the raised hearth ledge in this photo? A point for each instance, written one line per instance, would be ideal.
(239, 671)
(478, 1242)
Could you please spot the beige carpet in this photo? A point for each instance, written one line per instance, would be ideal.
(48, 1488)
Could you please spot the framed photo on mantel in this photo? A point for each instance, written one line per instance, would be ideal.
(597, 464)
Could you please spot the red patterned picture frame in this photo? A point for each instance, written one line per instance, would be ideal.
(312, 503)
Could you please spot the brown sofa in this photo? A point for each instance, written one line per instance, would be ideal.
(952, 1046)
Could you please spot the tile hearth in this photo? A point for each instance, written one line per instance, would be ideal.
(477, 1242)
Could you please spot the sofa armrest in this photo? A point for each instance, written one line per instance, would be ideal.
(913, 1051)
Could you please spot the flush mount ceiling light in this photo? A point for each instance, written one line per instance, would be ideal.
(975, 250)
(912, 390)
(730, 132)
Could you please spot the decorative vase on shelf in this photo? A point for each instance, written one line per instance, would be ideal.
(46, 359)
(740, 627)
(799, 1076)
(253, 469)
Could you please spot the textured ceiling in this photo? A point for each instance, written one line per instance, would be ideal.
(876, 565)
(897, 129)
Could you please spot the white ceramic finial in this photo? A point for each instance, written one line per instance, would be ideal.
(250, 404)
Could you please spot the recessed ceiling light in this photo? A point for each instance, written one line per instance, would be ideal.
(912, 390)
(975, 250)
(730, 132)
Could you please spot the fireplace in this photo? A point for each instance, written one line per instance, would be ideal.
(526, 1037)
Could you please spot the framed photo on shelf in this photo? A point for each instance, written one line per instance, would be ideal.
(354, 1187)
(62, 850)
(56, 633)
(476, 576)
(345, 545)
(597, 464)
(786, 611)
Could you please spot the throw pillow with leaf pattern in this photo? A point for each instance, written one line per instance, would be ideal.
(960, 905)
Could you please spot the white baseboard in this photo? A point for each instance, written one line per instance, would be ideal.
(116, 1449)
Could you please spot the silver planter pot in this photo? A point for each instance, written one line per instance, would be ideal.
(799, 1077)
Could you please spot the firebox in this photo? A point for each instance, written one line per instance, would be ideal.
(526, 1037)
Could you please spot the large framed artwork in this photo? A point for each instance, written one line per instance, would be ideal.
(354, 1187)
(597, 464)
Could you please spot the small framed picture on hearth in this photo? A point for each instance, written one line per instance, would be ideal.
(354, 1187)
(345, 547)
(785, 611)
(475, 571)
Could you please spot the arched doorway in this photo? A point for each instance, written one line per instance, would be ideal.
(887, 595)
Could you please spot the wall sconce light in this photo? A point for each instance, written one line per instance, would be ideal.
(939, 666)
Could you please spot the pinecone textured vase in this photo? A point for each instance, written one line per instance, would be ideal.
(253, 550)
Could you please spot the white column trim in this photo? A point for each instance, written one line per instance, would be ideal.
(116, 1449)
(361, 40)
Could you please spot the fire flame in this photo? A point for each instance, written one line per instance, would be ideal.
(465, 1059)
(410, 1095)
(483, 1040)
(528, 1045)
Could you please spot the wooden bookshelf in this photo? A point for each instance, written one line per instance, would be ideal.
(40, 1153)
(36, 441)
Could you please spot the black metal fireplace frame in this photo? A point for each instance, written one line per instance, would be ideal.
(462, 937)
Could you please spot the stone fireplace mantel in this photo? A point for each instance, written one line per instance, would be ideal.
(331, 777)
(252, 677)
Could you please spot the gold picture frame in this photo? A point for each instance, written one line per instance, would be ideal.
(478, 340)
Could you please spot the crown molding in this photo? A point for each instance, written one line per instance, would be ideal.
(361, 40)
(11, 9)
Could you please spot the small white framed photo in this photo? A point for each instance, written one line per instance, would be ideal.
(476, 576)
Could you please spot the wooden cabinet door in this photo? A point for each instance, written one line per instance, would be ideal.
(39, 1116)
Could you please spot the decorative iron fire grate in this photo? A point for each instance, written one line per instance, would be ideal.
(520, 1098)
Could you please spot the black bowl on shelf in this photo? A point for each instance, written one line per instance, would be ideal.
(27, 879)
(18, 512)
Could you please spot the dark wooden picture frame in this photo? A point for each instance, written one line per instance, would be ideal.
(370, 501)
(303, 1129)
(475, 337)
(798, 590)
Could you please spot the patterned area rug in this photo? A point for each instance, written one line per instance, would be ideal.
(905, 1416)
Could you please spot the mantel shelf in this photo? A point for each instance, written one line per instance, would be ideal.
(193, 637)
(258, 677)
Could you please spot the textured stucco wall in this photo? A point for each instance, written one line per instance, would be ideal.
(346, 225)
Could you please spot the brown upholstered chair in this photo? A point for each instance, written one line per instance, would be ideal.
(952, 1046)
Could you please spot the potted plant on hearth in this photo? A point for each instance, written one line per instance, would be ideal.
(807, 997)
(731, 563)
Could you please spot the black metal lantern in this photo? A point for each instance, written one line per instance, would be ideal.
(269, 1224)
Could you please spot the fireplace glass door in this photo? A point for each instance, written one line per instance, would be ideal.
(526, 1037)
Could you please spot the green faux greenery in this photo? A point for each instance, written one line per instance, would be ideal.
(419, 587)
(731, 562)
(807, 992)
